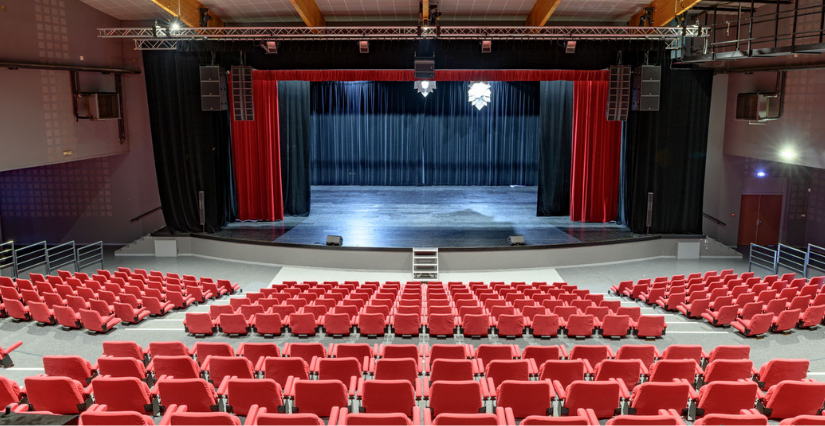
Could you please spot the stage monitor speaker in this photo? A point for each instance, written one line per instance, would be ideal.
(515, 240)
(646, 88)
(334, 240)
(242, 102)
(213, 88)
(618, 95)
(425, 68)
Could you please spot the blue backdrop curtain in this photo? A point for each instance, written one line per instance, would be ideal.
(555, 148)
(293, 115)
(386, 133)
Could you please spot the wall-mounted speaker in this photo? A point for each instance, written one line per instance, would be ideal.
(242, 102)
(646, 87)
(213, 88)
(618, 95)
(425, 69)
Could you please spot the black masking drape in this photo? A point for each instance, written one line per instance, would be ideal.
(555, 148)
(191, 147)
(665, 154)
(386, 133)
(293, 119)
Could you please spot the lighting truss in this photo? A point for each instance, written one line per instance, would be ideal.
(148, 38)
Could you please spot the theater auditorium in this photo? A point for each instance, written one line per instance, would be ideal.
(412, 212)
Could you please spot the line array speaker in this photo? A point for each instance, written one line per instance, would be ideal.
(242, 103)
(425, 68)
(646, 87)
(213, 88)
(618, 95)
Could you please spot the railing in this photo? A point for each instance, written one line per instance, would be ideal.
(791, 258)
(763, 257)
(135, 219)
(89, 255)
(815, 259)
(714, 220)
(8, 257)
(32, 256)
(61, 255)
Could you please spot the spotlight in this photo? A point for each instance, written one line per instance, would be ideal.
(364, 46)
(486, 46)
(760, 174)
(175, 25)
(570, 47)
(479, 94)
(425, 87)
(270, 47)
(788, 154)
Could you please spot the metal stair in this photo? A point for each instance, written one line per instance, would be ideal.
(425, 263)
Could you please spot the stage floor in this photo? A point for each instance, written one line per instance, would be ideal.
(404, 217)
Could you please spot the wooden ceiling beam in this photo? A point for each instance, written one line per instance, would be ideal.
(665, 11)
(186, 11)
(309, 12)
(541, 12)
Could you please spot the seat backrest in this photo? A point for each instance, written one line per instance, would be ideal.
(115, 366)
(592, 353)
(729, 352)
(732, 419)
(540, 354)
(600, 396)
(439, 351)
(666, 370)
(791, 398)
(319, 396)
(693, 352)
(103, 418)
(177, 366)
(354, 350)
(489, 353)
(644, 353)
(728, 370)
(388, 396)
(777, 370)
(9, 392)
(501, 370)
(457, 397)
(166, 348)
(525, 398)
(279, 369)
(229, 366)
(215, 311)
(306, 351)
(627, 370)
(255, 351)
(244, 393)
(342, 369)
(650, 397)
(399, 351)
(203, 350)
(122, 394)
(634, 312)
(727, 397)
(196, 394)
(397, 369)
(58, 395)
(71, 366)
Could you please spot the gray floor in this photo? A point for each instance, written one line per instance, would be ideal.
(39, 341)
(434, 216)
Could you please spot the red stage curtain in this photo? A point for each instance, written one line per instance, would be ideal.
(256, 155)
(594, 181)
(440, 75)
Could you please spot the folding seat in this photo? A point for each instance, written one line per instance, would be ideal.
(498, 371)
(616, 326)
(156, 307)
(199, 294)
(244, 394)
(636, 291)
(305, 351)
(628, 371)
(594, 354)
(237, 302)
(759, 324)
(596, 298)
(196, 394)
(41, 313)
(475, 325)
(648, 398)
(566, 311)
(221, 367)
(804, 420)
(619, 289)
(167, 349)
(486, 353)
(776, 306)
(178, 299)
(67, 317)
(129, 315)
(540, 354)
(407, 325)
(745, 417)
(199, 323)
(442, 351)
(808, 291)
(599, 312)
(16, 310)
(799, 302)
(726, 397)
(526, 398)
(722, 317)
(280, 369)
(347, 370)
(601, 397)
(785, 321)
(57, 395)
(128, 349)
(651, 296)
(819, 300)
(108, 297)
(229, 286)
(510, 325)
(249, 311)
(666, 370)
(318, 397)
(452, 370)
(694, 309)
(71, 366)
(613, 305)
(398, 369)
(355, 350)
(44, 287)
(177, 366)
(234, 324)
(113, 366)
(10, 293)
(650, 326)
(63, 292)
(124, 394)
(389, 396)
(551, 305)
(302, 324)
(634, 312)
(372, 324)
(455, 397)
(750, 309)
(581, 326)
(794, 398)
(766, 297)
(565, 371)
(582, 304)
(103, 418)
(583, 417)
(93, 321)
(728, 370)
(721, 302)
(777, 370)
(647, 354)
(30, 296)
(441, 325)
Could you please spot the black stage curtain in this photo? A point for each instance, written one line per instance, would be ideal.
(665, 154)
(192, 147)
(386, 133)
(294, 122)
(555, 148)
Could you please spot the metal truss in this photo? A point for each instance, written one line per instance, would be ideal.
(167, 38)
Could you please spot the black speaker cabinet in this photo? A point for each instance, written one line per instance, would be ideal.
(618, 95)
(213, 88)
(646, 88)
(425, 68)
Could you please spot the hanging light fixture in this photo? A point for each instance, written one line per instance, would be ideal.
(425, 87)
(479, 94)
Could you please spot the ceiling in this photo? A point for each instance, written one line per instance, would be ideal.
(384, 12)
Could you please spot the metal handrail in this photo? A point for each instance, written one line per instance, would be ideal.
(815, 258)
(32, 256)
(8, 257)
(763, 257)
(61, 255)
(89, 255)
(791, 258)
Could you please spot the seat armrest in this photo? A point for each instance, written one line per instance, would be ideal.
(587, 367)
(13, 347)
(644, 369)
(509, 416)
(252, 417)
(259, 366)
(354, 385)
(336, 414)
(426, 349)
(623, 392)
(313, 365)
(610, 353)
(289, 388)
(416, 415)
(516, 351)
(205, 364)
(564, 352)
(428, 421)
(222, 389)
(491, 387)
(485, 390)
(560, 392)
(360, 388)
(533, 368)
(371, 369)
(172, 409)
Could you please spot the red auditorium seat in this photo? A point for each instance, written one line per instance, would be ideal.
(129, 314)
(355, 350)
(115, 366)
(268, 324)
(243, 394)
(93, 321)
(668, 369)
(124, 394)
(498, 371)
(728, 370)
(694, 352)
(41, 313)
(9, 392)
(582, 417)
(726, 397)
(302, 324)
(791, 398)
(262, 416)
(526, 398)
(647, 354)
(663, 418)
(257, 351)
(580, 326)
(777, 370)
(510, 325)
(16, 309)
(565, 371)
(57, 395)
(486, 353)
(804, 420)
(216, 311)
(156, 307)
(220, 367)
(390, 396)
(758, 324)
(407, 325)
(199, 324)
(728, 352)
(540, 354)
(484, 419)
(345, 418)
(722, 317)
(650, 326)
(177, 366)
(167, 349)
(71, 366)
(745, 417)
(616, 326)
(651, 397)
(601, 397)
(305, 351)
(196, 394)
(441, 325)
(694, 309)
(628, 371)
(372, 325)
(234, 324)
(229, 286)
(545, 325)
(181, 415)
(594, 354)
(786, 320)
(280, 369)
(811, 316)
(452, 370)
(179, 301)
(318, 397)
(103, 418)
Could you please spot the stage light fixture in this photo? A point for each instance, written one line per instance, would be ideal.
(761, 174)
(364, 46)
(479, 94)
(486, 46)
(788, 153)
(270, 47)
(175, 25)
(570, 47)
(425, 87)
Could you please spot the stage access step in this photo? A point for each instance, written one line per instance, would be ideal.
(425, 263)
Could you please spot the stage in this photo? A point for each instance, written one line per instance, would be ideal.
(424, 216)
